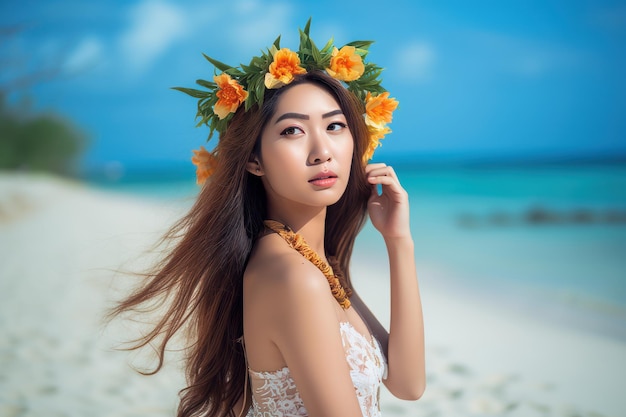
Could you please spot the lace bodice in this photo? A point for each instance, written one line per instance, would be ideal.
(276, 394)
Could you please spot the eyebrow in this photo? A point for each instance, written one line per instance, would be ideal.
(306, 117)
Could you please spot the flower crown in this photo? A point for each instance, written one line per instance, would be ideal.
(276, 68)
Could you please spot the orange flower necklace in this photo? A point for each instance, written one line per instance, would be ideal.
(298, 243)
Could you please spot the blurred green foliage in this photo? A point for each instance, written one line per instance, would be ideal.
(38, 142)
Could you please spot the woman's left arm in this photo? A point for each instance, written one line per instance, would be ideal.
(389, 213)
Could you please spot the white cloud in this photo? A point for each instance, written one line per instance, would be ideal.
(542, 60)
(530, 65)
(414, 62)
(87, 54)
(155, 26)
(258, 21)
(528, 58)
(242, 26)
(246, 6)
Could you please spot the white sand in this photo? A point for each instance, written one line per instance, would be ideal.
(60, 242)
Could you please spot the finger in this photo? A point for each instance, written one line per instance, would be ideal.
(370, 167)
(374, 191)
(383, 180)
(384, 171)
(388, 184)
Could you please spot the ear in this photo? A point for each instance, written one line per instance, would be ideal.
(254, 167)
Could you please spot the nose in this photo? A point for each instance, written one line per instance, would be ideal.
(320, 149)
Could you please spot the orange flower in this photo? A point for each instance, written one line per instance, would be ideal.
(374, 141)
(379, 109)
(346, 64)
(286, 64)
(205, 163)
(230, 95)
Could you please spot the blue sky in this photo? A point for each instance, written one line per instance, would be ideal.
(472, 77)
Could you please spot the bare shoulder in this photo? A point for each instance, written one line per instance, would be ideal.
(278, 278)
(284, 297)
(273, 264)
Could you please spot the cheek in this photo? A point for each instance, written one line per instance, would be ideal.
(346, 150)
(275, 149)
(351, 151)
(280, 164)
(279, 159)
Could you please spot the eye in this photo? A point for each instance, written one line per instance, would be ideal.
(337, 126)
(291, 130)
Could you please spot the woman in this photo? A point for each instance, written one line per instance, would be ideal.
(269, 332)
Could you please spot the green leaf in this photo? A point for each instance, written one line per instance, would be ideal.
(260, 90)
(192, 92)
(277, 42)
(317, 56)
(307, 27)
(234, 72)
(329, 46)
(217, 64)
(360, 44)
(207, 84)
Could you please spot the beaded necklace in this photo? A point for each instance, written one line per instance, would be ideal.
(298, 243)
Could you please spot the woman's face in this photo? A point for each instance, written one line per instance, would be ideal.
(306, 149)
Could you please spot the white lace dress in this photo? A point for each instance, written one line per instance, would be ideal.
(276, 394)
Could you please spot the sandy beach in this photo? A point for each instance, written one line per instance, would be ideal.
(62, 245)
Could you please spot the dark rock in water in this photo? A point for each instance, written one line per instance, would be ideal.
(539, 215)
(499, 218)
(614, 216)
(582, 216)
(467, 220)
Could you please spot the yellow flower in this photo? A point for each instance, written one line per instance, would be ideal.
(379, 109)
(205, 163)
(230, 95)
(346, 64)
(378, 112)
(286, 64)
(374, 141)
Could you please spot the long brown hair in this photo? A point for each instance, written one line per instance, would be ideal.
(201, 278)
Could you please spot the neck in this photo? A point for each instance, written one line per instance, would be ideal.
(308, 223)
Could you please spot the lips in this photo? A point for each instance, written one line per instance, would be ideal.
(324, 179)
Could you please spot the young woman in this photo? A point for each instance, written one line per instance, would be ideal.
(259, 275)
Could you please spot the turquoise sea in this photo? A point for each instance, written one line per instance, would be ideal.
(548, 240)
